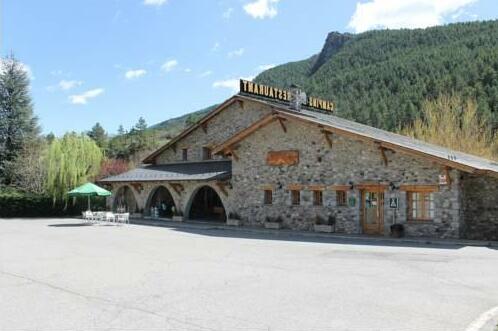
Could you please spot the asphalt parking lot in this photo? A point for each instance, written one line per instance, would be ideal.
(56, 274)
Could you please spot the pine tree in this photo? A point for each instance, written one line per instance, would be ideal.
(18, 126)
(98, 134)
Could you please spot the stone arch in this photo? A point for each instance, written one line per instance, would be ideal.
(161, 198)
(206, 202)
(126, 199)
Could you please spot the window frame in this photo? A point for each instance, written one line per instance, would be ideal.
(268, 197)
(206, 153)
(341, 198)
(424, 201)
(295, 195)
(184, 154)
(317, 198)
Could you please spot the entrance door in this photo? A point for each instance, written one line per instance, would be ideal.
(372, 211)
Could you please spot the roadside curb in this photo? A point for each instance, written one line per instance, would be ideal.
(306, 234)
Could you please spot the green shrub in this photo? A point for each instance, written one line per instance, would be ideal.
(15, 203)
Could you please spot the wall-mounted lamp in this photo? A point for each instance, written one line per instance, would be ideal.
(351, 186)
(392, 187)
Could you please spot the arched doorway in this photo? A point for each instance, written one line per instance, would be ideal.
(160, 203)
(206, 205)
(125, 200)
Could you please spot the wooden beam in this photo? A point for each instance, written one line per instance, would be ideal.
(281, 121)
(328, 138)
(340, 187)
(384, 156)
(222, 188)
(447, 173)
(419, 188)
(177, 187)
(234, 155)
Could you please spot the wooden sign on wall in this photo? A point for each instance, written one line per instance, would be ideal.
(280, 158)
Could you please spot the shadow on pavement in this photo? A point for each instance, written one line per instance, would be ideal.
(220, 230)
(69, 225)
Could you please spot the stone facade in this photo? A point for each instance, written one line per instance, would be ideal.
(480, 207)
(347, 161)
(222, 126)
(466, 207)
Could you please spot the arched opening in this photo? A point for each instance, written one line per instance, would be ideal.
(160, 203)
(206, 205)
(125, 200)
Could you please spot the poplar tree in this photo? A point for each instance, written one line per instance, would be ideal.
(71, 161)
(18, 126)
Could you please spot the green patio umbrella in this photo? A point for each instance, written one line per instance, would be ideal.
(89, 190)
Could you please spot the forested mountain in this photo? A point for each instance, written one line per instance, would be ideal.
(382, 77)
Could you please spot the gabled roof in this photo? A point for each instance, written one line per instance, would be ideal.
(150, 158)
(341, 126)
(205, 170)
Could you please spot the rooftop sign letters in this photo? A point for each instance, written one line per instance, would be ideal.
(282, 95)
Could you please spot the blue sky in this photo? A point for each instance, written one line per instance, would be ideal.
(111, 61)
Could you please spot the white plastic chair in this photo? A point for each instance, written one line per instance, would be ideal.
(109, 216)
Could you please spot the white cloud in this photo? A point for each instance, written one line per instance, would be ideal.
(227, 13)
(205, 74)
(215, 47)
(262, 8)
(237, 52)
(232, 84)
(69, 84)
(132, 74)
(169, 65)
(187, 70)
(264, 67)
(82, 99)
(155, 2)
(396, 14)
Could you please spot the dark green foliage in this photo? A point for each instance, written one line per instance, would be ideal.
(98, 134)
(14, 203)
(380, 78)
(17, 124)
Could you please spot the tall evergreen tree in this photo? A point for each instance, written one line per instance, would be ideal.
(98, 134)
(18, 125)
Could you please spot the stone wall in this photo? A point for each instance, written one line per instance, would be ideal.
(480, 207)
(346, 161)
(182, 199)
(219, 128)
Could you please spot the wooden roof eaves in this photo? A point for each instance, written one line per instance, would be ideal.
(187, 131)
(284, 113)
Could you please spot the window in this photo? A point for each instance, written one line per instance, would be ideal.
(206, 153)
(317, 198)
(295, 197)
(420, 206)
(184, 154)
(340, 198)
(268, 197)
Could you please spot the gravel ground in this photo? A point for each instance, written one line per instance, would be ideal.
(58, 275)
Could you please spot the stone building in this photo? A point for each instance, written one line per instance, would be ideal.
(265, 157)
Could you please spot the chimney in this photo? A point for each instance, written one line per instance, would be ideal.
(298, 97)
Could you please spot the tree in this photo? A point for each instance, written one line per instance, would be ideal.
(71, 161)
(141, 124)
(450, 122)
(18, 126)
(99, 135)
(28, 171)
(121, 130)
